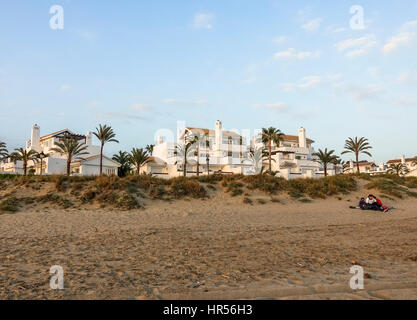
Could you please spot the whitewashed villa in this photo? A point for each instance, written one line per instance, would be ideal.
(227, 152)
(368, 167)
(294, 157)
(55, 163)
(219, 151)
(409, 163)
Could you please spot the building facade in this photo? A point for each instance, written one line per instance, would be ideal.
(56, 163)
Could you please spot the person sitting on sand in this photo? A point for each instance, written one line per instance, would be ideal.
(373, 203)
(362, 204)
(380, 205)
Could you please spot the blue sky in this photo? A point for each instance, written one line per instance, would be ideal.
(143, 65)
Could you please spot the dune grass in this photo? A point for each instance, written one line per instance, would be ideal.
(393, 185)
(133, 191)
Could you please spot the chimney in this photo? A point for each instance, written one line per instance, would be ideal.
(302, 139)
(89, 138)
(160, 140)
(403, 159)
(219, 134)
(35, 138)
(381, 166)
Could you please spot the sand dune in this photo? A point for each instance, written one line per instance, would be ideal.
(214, 248)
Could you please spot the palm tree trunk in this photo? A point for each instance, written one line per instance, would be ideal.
(270, 155)
(357, 162)
(198, 161)
(25, 165)
(68, 167)
(185, 164)
(325, 170)
(101, 159)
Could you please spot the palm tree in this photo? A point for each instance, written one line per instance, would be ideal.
(256, 157)
(184, 151)
(124, 159)
(325, 157)
(269, 136)
(72, 149)
(138, 157)
(357, 146)
(25, 156)
(336, 163)
(104, 134)
(149, 149)
(208, 154)
(198, 138)
(41, 156)
(397, 168)
(3, 151)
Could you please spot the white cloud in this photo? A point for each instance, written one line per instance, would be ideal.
(65, 87)
(276, 107)
(310, 82)
(405, 102)
(250, 80)
(280, 40)
(361, 93)
(356, 46)
(85, 34)
(337, 30)
(291, 53)
(398, 40)
(184, 102)
(93, 104)
(203, 21)
(409, 25)
(312, 25)
(407, 78)
(140, 107)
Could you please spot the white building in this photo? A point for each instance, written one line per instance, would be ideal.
(409, 163)
(368, 167)
(56, 163)
(228, 152)
(219, 151)
(293, 157)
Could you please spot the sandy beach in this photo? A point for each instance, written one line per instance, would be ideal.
(217, 248)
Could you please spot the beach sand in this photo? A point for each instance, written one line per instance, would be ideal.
(218, 248)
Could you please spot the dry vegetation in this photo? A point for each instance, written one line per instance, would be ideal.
(17, 192)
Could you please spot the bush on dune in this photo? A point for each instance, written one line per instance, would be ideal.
(183, 187)
(393, 185)
(10, 205)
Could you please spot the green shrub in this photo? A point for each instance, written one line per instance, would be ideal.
(128, 202)
(9, 205)
(247, 200)
(157, 192)
(387, 186)
(183, 187)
